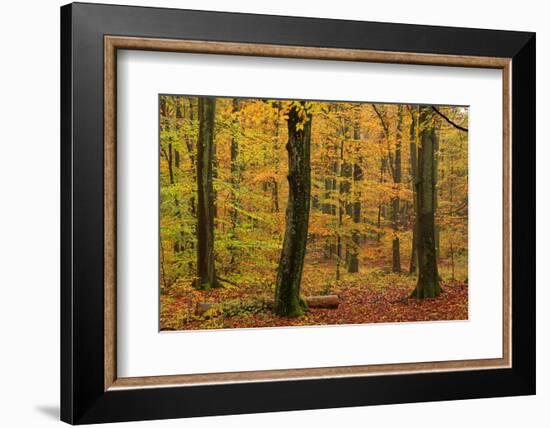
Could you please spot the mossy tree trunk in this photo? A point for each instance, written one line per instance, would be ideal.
(289, 274)
(428, 277)
(206, 269)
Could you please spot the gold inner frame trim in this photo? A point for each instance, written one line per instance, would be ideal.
(113, 43)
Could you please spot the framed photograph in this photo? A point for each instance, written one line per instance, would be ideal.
(266, 213)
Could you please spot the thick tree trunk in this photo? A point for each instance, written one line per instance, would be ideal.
(413, 147)
(428, 277)
(291, 263)
(206, 270)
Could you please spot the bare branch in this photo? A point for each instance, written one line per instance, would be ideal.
(449, 121)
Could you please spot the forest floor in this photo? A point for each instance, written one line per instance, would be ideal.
(370, 296)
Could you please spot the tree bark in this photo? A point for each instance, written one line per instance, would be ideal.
(428, 277)
(343, 187)
(235, 178)
(328, 207)
(413, 148)
(451, 216)
(206, 269)
(355, 211)
(396, 253)
(190, 145)
(379, 217)
(274, 195)
(291, 263)
(436, 180)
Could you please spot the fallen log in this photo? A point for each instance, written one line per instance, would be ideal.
(327, 302)
(322, 302)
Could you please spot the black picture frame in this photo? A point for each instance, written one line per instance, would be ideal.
(83, 398)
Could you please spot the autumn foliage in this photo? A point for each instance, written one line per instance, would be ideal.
(365, 170)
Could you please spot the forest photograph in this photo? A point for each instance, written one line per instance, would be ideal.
(279, 212)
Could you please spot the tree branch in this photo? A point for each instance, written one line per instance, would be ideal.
(449, 121)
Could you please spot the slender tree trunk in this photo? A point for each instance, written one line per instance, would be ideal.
(428, 277)
(436, 180)
(451, 213)
(330, 186)
(381, 180)
(171, 165)
(162, 269)
(235, 179)
(396, 253)
(357, 176)
(289, 274)
(275, 182)
(172, 159)
(177, 159)
(342, 188)
(413, 148)
(191, 153)
(206, 270)
(274, 196)
(353, 258)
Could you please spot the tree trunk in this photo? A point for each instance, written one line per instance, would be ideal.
(189, 144)
(355, 208)
(344, 173)
(274, 196)
(206, 270)
(413, 147)
(436, 180)
(328, 207)
(235, 179)
(291, 263)
(340, 216)
(451, 213)
(396, 253)
(381, 180)
(428, 277)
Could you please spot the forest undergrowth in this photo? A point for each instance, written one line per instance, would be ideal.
(372, 295)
